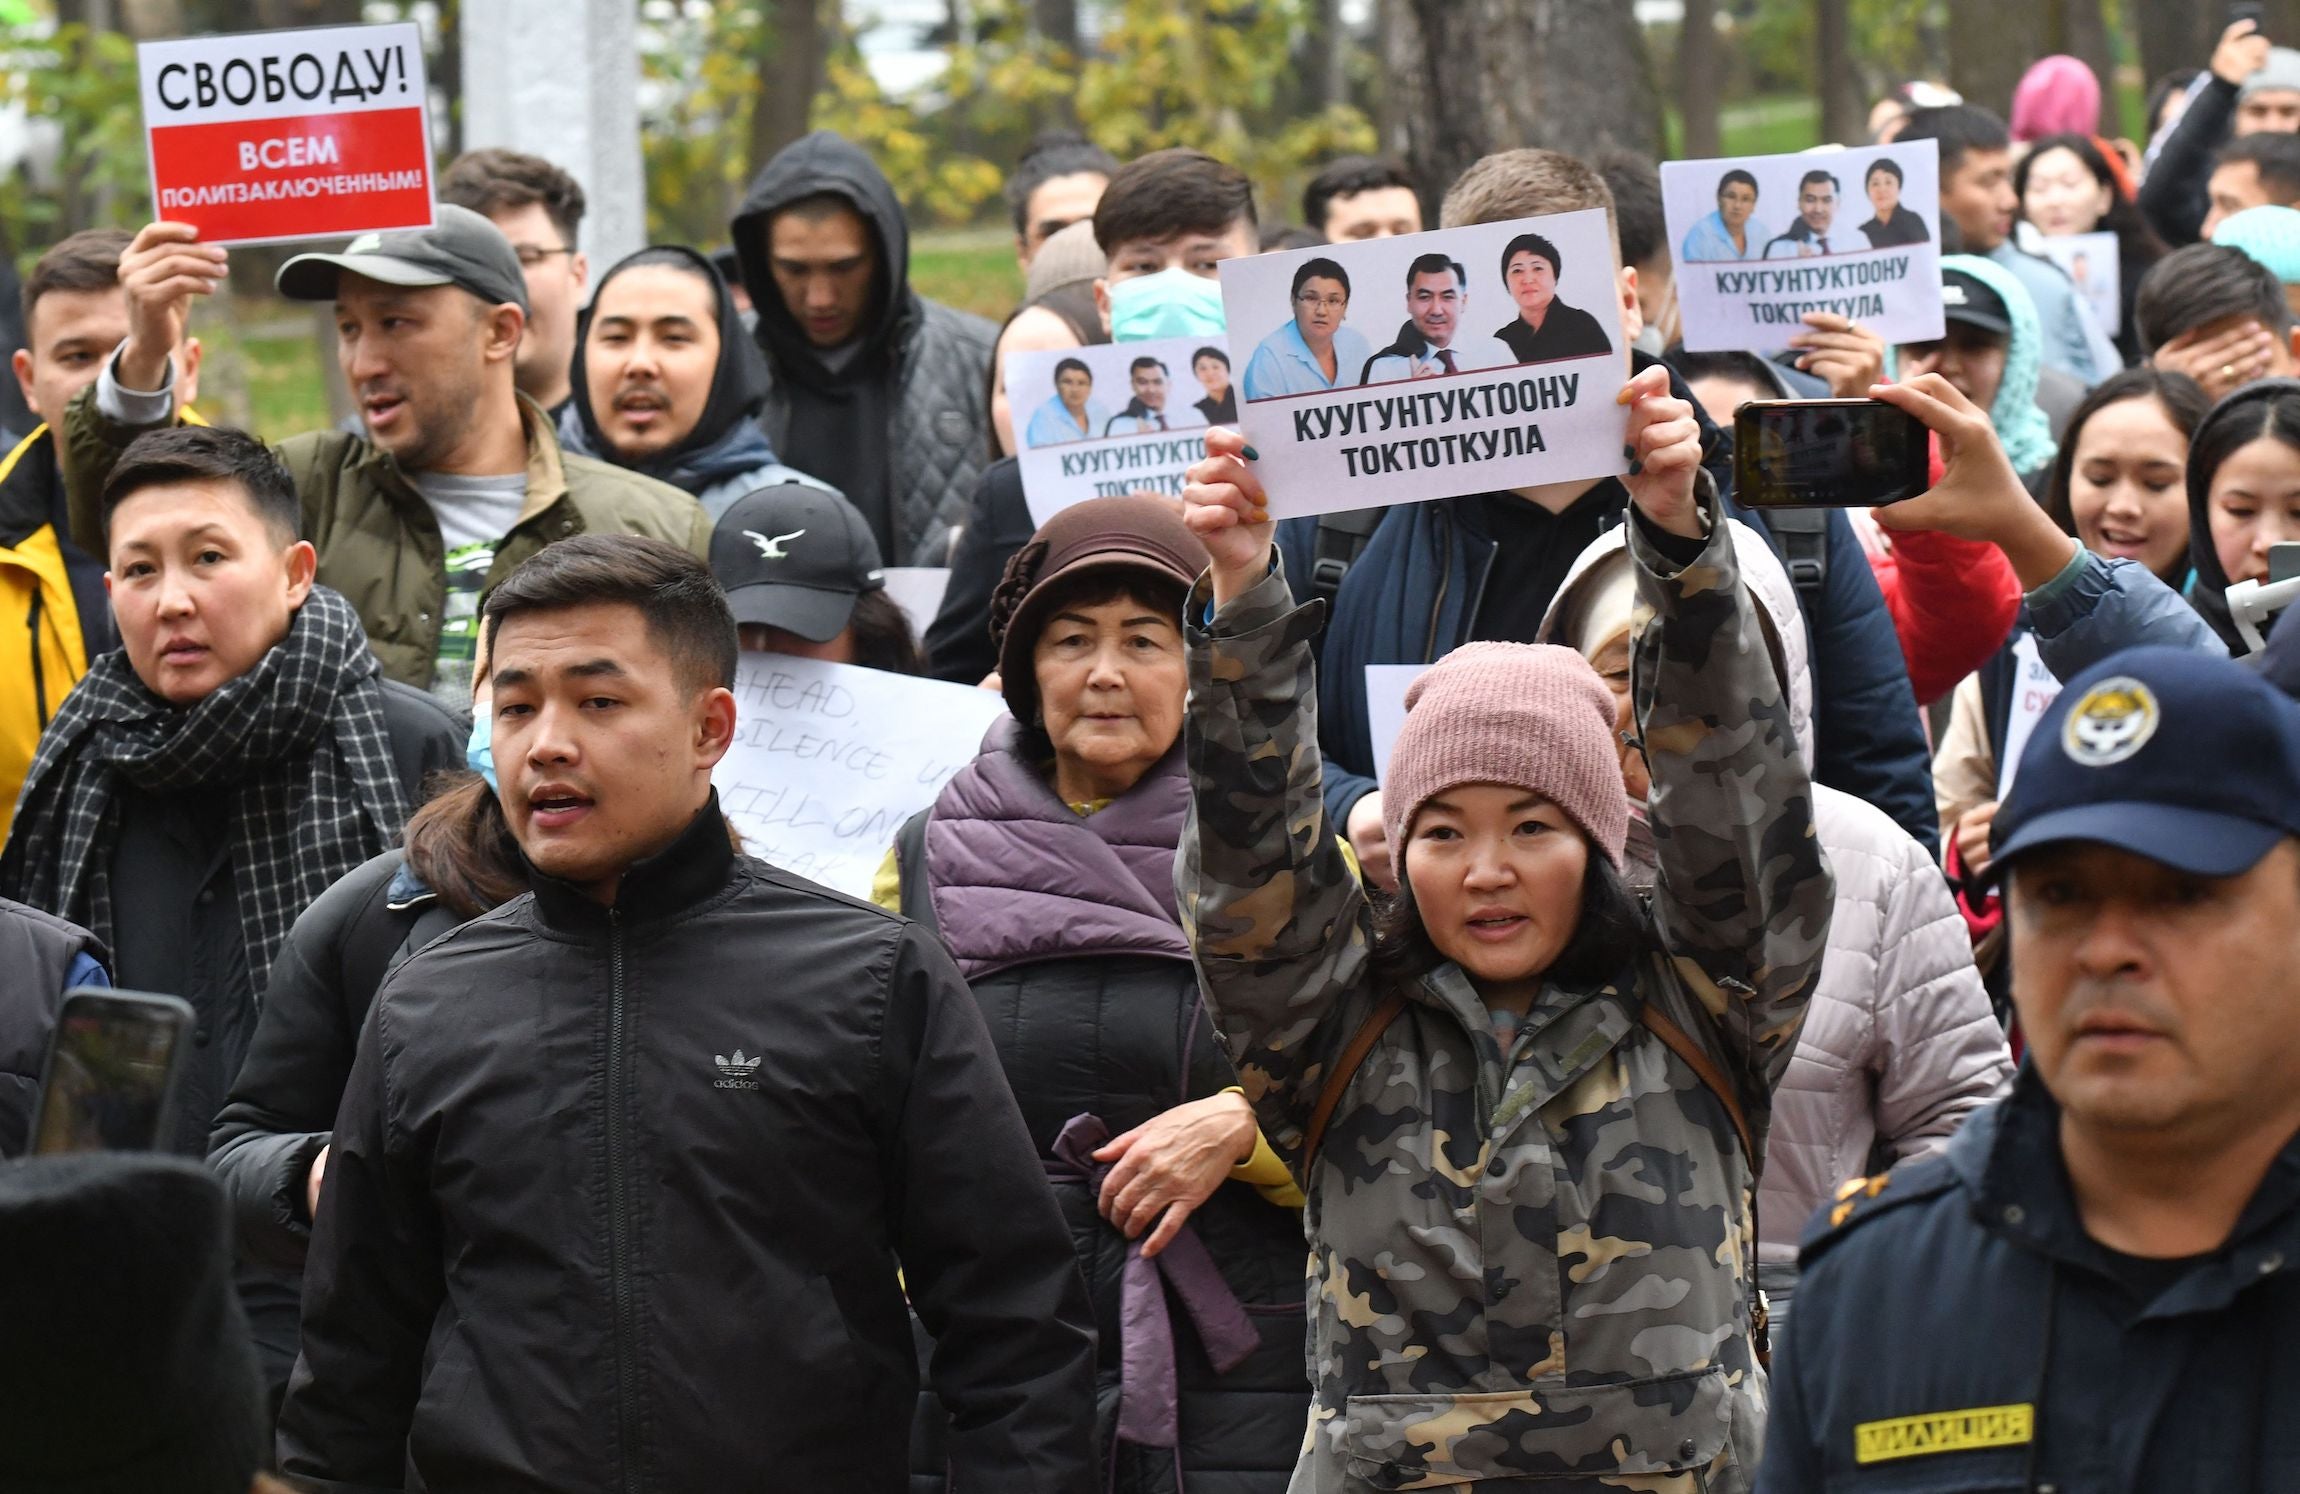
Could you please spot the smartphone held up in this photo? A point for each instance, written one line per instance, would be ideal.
(1827, 453)
(109, 1082)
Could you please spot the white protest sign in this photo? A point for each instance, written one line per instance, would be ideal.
(918, 591)
(1430, 365)
(830, 759)
(2093, 261)
(1386, 708)
(269, 135)
(1759, 241)
(1116, 418)
(2034, 690)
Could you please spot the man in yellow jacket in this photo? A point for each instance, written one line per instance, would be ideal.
(53, 614)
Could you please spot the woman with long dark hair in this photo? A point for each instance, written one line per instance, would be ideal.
(1527, 1109)
(2067, 186)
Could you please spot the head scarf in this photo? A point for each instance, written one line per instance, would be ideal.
(2020, 425)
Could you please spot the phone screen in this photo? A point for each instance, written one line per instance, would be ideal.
(110, 1073)
(1831, 453)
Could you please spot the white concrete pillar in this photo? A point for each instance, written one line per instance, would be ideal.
(560, 79)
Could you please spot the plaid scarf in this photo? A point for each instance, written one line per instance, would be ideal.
(298, 742)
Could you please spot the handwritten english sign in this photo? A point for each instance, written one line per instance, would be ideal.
(830, 759)
(265, 136)
(1394, 370)
(1760, 241)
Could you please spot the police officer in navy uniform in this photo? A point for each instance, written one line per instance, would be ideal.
(2095, 1287)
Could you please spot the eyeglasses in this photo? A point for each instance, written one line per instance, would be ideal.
(531, 255)
(1322, 303)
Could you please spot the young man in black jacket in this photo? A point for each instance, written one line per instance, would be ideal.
(626, 1170)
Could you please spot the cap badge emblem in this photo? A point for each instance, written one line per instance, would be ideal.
(772, 549)
(2114, 720)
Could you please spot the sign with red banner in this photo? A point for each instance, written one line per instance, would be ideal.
(273, 135)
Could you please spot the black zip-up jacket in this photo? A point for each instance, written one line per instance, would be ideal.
(1956, 1329)
(618, 1197)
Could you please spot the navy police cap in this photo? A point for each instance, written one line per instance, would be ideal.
(2183, 758)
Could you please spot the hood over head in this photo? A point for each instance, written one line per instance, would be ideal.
(825, 163)
(2020, 424)
(738, 386)
(1590, 582)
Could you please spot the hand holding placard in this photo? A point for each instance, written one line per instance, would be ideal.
(1665, 452)
(163, 268)
(1225, 507)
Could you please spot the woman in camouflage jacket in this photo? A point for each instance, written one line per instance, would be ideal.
(1531, 1257)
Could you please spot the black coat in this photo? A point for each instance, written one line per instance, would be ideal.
(618, 1197)
(180, 932)
(37, 953)
(282, 1106)
(1125, 1038)
(1965, 1283)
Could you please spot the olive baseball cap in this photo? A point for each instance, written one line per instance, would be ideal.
(460, 248)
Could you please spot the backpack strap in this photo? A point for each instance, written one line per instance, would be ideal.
(1804, 537)
(1679, 1042)
(1344, 1070)
(1341, 539)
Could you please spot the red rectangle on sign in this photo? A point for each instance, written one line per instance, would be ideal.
(304, 176)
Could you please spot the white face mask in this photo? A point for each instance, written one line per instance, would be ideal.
(1171, 303)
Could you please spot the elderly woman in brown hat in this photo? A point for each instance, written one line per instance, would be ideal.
(1048, 867)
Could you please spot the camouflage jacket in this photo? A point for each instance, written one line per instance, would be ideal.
(1533, 1264)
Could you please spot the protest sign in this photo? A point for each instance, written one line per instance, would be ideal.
(1115, 418)
(1370, 376)
(271, 135)
(1386, 708)
(1759, 241)
(2093, 261)
(830, 759)
(918, 591)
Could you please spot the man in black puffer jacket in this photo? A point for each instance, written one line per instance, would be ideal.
(626, 1169)
(878, 391)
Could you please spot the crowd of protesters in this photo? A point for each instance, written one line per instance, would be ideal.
(1807, 1001)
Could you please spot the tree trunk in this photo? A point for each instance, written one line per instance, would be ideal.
(2083, 34)
(1470, 77)
(1991, 43)
(1699, 88)
(1842, 119)
(2176, 35)
(1057, 21)
(1329, 56)
(790, 74)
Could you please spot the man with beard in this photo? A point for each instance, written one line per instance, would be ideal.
(458, 478)
(1437, 293)
(668, 384)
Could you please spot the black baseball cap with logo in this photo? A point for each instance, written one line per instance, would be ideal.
(795, 557)
(460, 248)
(1966, 298)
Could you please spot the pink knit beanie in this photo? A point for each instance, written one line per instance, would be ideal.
(1526, 715)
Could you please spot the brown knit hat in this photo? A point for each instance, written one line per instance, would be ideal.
(1526, 715)
(1102, 534)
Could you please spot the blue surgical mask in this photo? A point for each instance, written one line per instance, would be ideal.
(479, 753)
(1171, 303)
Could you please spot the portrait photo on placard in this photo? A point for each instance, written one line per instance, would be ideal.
(1418, 306)
(1428, 365)
(1758, 242)
(1119, 389)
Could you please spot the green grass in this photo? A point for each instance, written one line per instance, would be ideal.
(972, 269)
(1765, 127)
